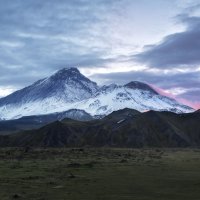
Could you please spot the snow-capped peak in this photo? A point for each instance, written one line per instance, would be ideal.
(66, 73)
(69, 89)
(51, 94)
(135, 95)
(140, 86)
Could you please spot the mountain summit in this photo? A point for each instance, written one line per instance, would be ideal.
(67, 85)
(69, 89)
(68, 74)
(141, 86)
(48, 95)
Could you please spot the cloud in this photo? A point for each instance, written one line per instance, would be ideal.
(178, 50)
(37, 38)
(173, 63)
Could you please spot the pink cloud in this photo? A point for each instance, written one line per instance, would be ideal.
(195, 105)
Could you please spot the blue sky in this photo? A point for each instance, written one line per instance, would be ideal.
(108, 40)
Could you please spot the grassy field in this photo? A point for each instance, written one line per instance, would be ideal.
(99, 174)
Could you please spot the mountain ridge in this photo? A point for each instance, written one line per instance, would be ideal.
(123, 128)
(69, 89)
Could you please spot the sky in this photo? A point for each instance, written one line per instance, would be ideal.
(110, 41)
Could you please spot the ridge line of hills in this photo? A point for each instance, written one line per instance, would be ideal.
(122, 128)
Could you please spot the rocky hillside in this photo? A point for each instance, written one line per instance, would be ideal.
(123, 128)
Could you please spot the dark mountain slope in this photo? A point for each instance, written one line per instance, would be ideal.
(124, 128)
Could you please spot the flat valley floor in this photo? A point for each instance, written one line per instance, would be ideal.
(99, 174)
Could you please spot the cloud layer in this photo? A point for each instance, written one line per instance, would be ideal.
(179, 50)
(38, 37)
(177, 54)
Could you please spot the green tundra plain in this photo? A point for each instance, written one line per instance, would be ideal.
(99, 174)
